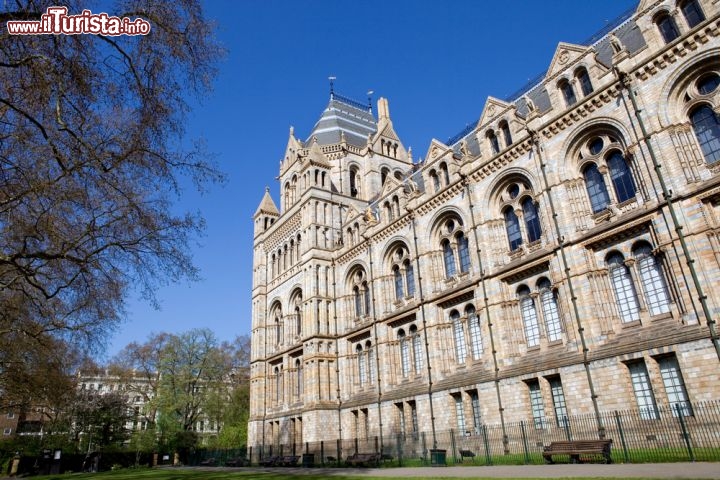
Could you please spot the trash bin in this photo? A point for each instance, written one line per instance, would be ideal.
(437, 457)
(308, 460)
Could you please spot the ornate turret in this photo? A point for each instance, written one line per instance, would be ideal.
(266, 213)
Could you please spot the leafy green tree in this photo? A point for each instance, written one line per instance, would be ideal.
(100, 420)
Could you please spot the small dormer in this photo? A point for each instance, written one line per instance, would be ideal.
(266, 213)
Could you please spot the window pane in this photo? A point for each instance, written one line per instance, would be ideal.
(552, 316)
(417, 352)
(460, 347)
(621, 177)
(410, 279)
(477, 420)
(405, 356)
(706, 125)
(475, 335)
(667, 28)
(399, 293)
(358, 302)
(597, 191)
(459, 413)
(558, 398)
(624, 293)
(693, 13)
(585, 83)
(568, 94)
(449, 258)
(512, 226)
(371, 363)
(367, 298)
(506, 133)
(361, 366)
(653, 282)
(643, 390)
(464, 253)
(532, 220)
(529, 316)
(536, 404)
(674, 385)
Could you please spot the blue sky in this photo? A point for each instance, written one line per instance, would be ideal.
(436, 62)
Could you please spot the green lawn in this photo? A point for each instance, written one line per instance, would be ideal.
(202, 474)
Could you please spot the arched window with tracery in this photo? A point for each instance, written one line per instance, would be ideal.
(706, 125)
(296, 303)
(360, 289)
(604, 162)
(623, 287)
(517, 198)
(403, 275)
(455, 247)
(621, 177)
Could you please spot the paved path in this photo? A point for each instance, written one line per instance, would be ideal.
(699, 470)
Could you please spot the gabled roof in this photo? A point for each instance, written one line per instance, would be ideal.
(267, 206)
(346, 116)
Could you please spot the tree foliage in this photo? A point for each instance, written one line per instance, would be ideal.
(92, 157)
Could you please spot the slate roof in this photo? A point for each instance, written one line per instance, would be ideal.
(267, 205)
(344, 116)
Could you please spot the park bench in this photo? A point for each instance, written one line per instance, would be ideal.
(288, 461)
(363, 459)
(575, 448)
(270, 461)
(208, 462)
(237, 462)
(466, 454)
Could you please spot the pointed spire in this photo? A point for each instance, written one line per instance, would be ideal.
(267, 205)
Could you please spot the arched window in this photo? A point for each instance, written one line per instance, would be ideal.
(529, 316)
(399, 287)
(383, 175)
(493, 141)
(568, 93)
(475, 333)
(548, 299)
(371, 360)
(417, 348)
(298, 320)
(366, 296)
(298, 370)
(362, 366)
(445, 173)
(621, 177)
(692, 12)
(623, 287)
(459, 334)
(505, 129)
(354, 182)
(512, 226)
(706, 125)
(449, 258)
(596, 188)
(404, 353)
(652, 280)
(409, 278)
(389, 211)
(358, 301)
(666, 26)
(584, 81)
(278, 385)
(463, 252)
(532, 220)
(435, 181)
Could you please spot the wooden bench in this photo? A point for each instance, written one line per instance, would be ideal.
(237, 462)
(575, 448)
(209, 462)
(466, 454)
(270, 461)
(363, 459)
(288, 461)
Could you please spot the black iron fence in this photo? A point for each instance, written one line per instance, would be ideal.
(662, 434)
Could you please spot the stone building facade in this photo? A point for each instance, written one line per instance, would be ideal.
(559, 257)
